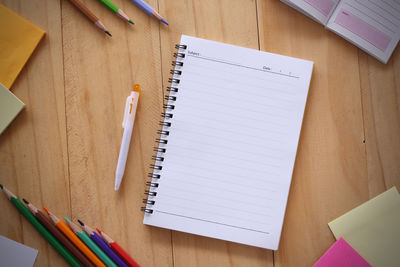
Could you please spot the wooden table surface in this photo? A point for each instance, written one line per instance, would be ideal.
(62, 150)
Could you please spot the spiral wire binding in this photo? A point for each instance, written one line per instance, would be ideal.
(161, 142)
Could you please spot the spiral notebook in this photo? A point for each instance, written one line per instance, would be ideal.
(224, 160)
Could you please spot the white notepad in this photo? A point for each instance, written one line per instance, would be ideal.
(231, 143)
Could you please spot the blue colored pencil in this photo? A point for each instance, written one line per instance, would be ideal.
(148, 9)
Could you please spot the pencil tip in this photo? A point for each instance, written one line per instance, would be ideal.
(163, 20)
(108, 33)
(98, 230)
(1, 186)
(131, 22)
(46, 211)
(26, 201)
(66, 219)
(81, 223)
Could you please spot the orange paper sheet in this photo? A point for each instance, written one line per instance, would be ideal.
(18, 39)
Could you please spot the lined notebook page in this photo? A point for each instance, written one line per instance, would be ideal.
(232, 144)
(373, 25)
(319, 10)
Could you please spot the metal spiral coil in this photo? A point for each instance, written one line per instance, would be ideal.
(172, 89)
(173, 80)
(159, 150)
(167, 115)
(155, 167)
(169, 107)
(177, 63)
(158, 159)
(179, 55)
(144, 209)
(150, 193)
(151, 184)
(153, 176)
(179, 46)
(161, 141)
(176, 72)
(170, 97)
(150, 202)
(164, 123)
(162, 132)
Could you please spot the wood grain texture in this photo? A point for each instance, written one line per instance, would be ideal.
(33, 150)
(62, 150)
(99, 74)
(330, 172)
(381, 108)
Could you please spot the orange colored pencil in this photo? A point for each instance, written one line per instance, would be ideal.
(74, 239)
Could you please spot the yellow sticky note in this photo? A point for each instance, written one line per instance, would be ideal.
(18, 39)
(373, 229)
(10, 106)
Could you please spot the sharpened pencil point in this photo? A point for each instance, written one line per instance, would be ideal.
(1, 186)
(66, 219)
(81, 223)
(98, 230)
(131, 22)
(46, 211)
(26, 201)
(108, 33)
(163, 20)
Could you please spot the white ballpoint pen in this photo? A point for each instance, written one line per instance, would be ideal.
(127, 124)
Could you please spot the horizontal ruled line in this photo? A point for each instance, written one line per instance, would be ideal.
(229, 225)
(247, 67)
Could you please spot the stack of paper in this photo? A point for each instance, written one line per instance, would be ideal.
(18, 39)
(373, 229)
(10, 106)
(343, 255)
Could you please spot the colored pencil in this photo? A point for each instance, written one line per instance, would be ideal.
(148, 9)
(103, 245)
(116, 10)
(45, 221)
(74, 239)
(89, 242)
(122, 253)
(42, 230)
(92, 17)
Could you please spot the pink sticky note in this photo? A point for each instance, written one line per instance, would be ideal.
(343, 255)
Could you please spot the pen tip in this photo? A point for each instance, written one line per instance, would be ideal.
(81, 223)
(131, 22)
(1, 186)
(136, 88)
(108, 33)
(66, 219)
(98, 230)
(26, 201)
(163, 20)
(46, 210)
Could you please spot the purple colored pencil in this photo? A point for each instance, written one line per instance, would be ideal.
(103, 245)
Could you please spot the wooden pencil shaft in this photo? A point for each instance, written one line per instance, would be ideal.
(63, 240)
(85, 10)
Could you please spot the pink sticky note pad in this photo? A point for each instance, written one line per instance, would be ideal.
(343, 255)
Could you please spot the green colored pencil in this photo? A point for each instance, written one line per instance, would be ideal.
(89, 242)
(46, 234)
(113, 7)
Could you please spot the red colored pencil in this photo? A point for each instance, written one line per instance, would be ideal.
(122, 253)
